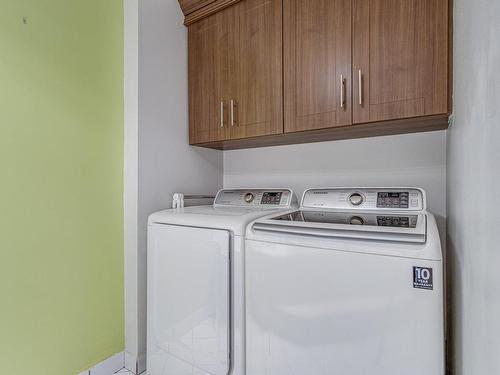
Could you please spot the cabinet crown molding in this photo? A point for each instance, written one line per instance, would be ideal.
(195, 10)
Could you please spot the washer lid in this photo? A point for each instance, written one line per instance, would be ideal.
(382, 226)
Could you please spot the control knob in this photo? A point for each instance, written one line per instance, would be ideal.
(249, 197)
(356, 199)
(356, 220)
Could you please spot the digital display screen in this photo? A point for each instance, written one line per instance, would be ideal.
(271, 197)
(392, 199)
(396, 221)
(389, 195)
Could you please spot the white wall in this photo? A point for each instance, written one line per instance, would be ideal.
(473, 189)
(402, 160)
(165, 163)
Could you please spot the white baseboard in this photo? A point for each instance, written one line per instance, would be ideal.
(137, 365)
(107, 367)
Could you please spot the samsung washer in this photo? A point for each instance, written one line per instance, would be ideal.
(349, 284)
(196, 282)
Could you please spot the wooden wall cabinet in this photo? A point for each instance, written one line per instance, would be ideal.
(268, 72)
(208, 64)
(317, 61)
(259, 104)
(235, 73)
(400, 59)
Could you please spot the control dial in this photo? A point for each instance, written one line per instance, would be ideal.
(249, 197)
(356, 199)
(356, 220)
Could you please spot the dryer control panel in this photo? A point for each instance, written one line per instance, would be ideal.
(406, 199)
(258, 198)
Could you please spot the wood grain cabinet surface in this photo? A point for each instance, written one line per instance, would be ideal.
(258, 79)
(208, 63)
(235, 73)
(400, 59)
(317, 62)
(268, 72)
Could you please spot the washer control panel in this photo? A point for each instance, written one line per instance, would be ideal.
(407, 199)
(277, 198)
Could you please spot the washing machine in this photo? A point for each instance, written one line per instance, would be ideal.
(196, 284)
(349, 284)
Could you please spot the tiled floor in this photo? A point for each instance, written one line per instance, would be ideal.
(124, 371)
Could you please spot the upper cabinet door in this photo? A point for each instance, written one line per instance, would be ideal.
(255, 107)
(317, 64)
(400, 59)
(209, 45)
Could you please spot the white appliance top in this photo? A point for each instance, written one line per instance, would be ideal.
(233, 209)
(389, 215)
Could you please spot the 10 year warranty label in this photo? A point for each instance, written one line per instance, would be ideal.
(422, 278)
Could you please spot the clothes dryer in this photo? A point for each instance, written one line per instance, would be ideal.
(196, 282)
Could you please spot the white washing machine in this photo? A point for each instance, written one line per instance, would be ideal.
(196, 282)
(349, 284)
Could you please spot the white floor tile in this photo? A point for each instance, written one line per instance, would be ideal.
(124, 371)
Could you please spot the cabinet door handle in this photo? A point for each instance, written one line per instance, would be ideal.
(232, 112)
(342, 92)
(221, 114)
(360, 87)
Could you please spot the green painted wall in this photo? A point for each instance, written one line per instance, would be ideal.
(61, 185)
